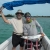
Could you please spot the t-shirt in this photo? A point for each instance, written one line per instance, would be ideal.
(17, 24)
(30, 28)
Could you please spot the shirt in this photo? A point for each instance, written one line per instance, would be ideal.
(30, 28)
(17, 24)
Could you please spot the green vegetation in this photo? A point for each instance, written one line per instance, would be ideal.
(10, 15)
(40, 16)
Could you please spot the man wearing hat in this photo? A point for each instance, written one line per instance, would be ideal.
(18, 28)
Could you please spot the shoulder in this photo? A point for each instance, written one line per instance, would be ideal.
(13, 19)
(33, 19)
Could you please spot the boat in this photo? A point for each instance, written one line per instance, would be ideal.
(7, 45)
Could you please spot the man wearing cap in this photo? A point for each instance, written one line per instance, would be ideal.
(30, 27)
(18, 28)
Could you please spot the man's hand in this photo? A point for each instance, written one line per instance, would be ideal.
(42, 34)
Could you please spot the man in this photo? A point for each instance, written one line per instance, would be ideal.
(18, 29)
(30, 26)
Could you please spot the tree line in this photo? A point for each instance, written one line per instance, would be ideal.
(40, 16)
(10, 15)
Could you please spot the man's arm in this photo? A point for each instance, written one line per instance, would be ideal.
(41, 29)
(4, 18)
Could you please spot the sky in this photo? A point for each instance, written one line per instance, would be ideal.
(35, 9)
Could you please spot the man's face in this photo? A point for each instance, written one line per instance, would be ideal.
(19, 16)
(28, 19)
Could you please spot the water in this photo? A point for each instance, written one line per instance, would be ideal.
(6, 29)
(45, 23)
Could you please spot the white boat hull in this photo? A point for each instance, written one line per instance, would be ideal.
(7, 45)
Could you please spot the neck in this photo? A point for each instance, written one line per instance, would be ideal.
(29, 21)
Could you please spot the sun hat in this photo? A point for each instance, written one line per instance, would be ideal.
(19, 12)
